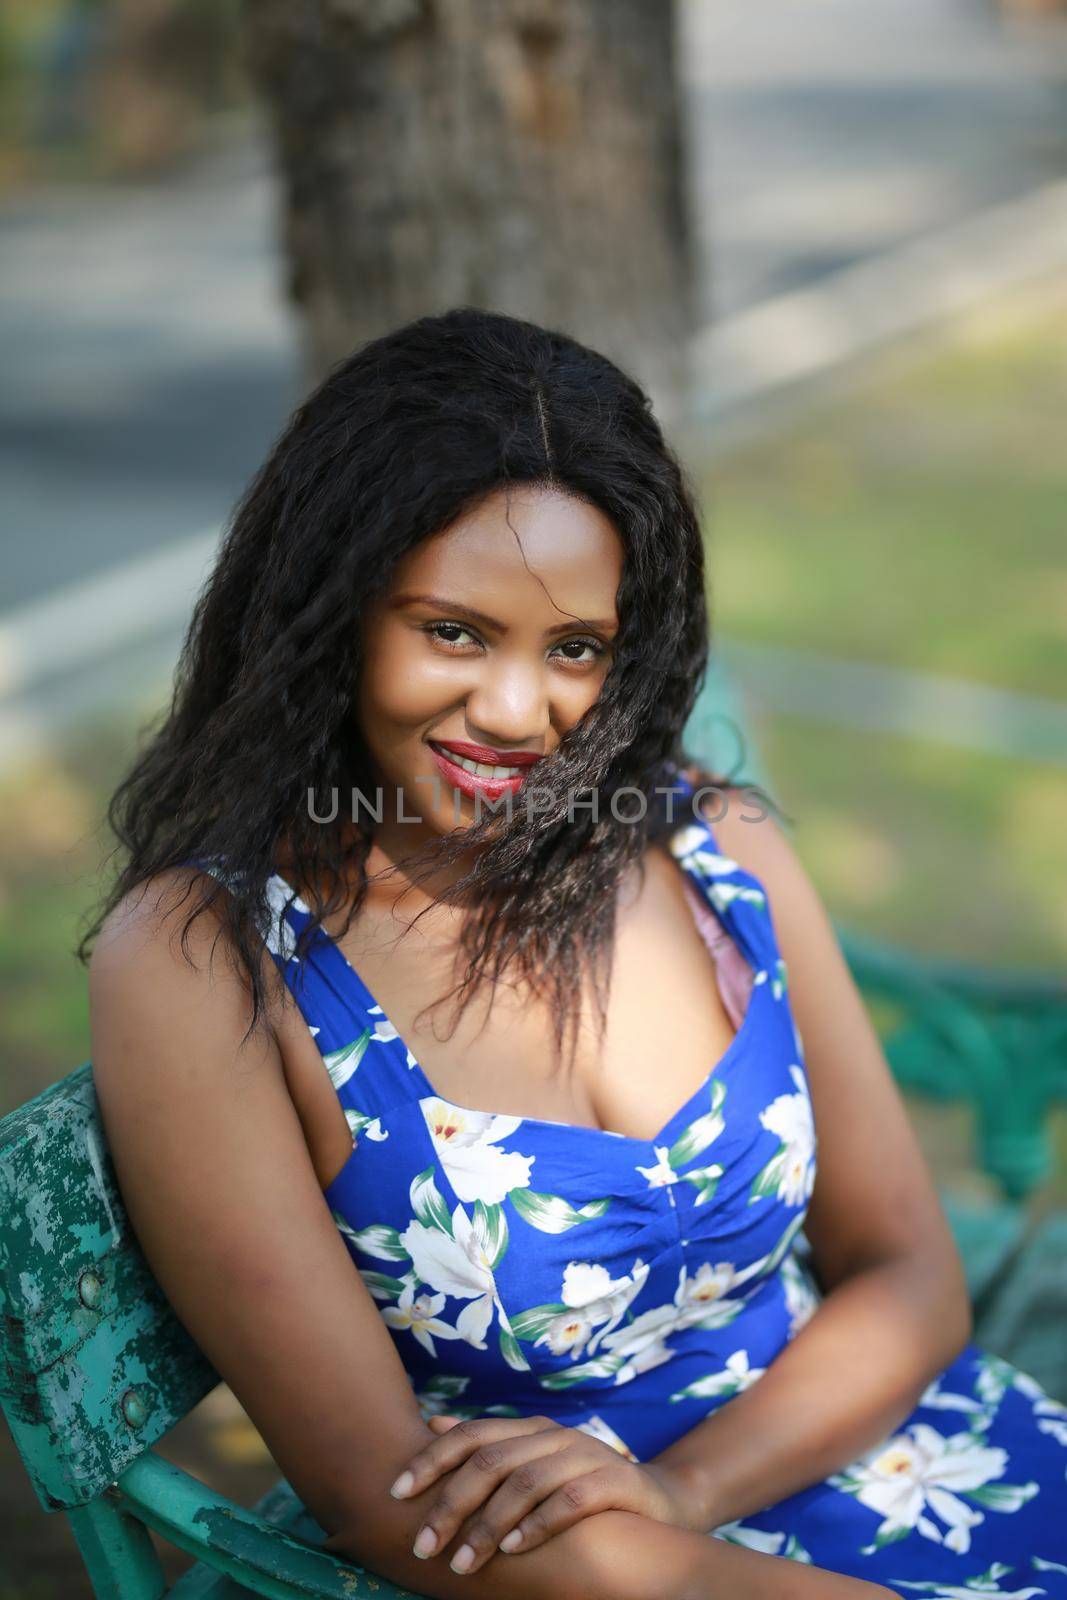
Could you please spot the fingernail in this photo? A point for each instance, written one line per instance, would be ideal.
(462, 1558)
(425, 1542)
(402, 1486)
(511, 1541)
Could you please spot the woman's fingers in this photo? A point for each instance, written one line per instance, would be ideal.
(451, 1448)
(579, 1497)
(538, 1499)
(460, 1501)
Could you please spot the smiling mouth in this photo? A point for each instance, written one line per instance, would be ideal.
(478, 769)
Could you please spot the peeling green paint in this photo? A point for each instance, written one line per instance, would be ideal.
(66, 1364)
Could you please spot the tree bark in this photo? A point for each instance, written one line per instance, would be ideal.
(524, 156)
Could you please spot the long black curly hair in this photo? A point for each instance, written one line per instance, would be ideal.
(392, 446)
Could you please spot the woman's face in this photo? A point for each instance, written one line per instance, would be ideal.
(493, 640)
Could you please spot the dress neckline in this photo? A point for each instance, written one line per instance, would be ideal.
(685, 859)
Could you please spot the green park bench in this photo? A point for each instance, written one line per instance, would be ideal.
(95, 1368)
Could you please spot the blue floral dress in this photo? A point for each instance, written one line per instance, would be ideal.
(629, 1287)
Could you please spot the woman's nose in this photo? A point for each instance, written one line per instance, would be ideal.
(509, 705)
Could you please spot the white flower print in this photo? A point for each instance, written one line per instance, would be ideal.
(984, 1584)
(662, 1173)
(362, 1126)
(1052, 1419)
(598, 1429)
(939, 1399)
(591, 1299)
(691, 843)
(921, 1470)
(640, 1345)
(418, 1313)
(709, 1283)
(567, 1333)
(456, 1264)
(341, 1064)
(475, 1166)
(280, 936)
(770, 1544)
(703, 1300)
(704, 1296)
(1051, 1414)
(790, 1173)
(735, 1377)
(995, 1377)
(385, 1033)
(441, 1393)
(722, 895)
(700, 1300)
(694, 1138)
(802, 1298)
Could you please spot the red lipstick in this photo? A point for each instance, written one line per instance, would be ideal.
(469, 783)
(492, 758)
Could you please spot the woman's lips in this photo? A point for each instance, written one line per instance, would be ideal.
(469, 783)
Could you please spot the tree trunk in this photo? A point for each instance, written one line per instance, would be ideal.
(520, 155)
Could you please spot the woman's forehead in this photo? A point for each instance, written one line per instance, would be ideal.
(517, 544)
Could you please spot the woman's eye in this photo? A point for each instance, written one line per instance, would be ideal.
(583, 644)
(437, 630)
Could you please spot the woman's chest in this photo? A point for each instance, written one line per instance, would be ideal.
(665, 1027)
(666, 1024)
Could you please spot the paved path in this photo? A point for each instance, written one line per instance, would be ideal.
(829, 131)
(149, 360)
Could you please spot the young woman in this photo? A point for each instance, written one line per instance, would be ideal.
(462, 1046)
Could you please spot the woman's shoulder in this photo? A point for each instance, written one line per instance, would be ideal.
(165, 946)
(152, 910)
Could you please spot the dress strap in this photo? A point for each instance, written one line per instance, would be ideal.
(734, 972)
(735, 895)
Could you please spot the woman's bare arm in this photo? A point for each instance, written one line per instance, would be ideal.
(896, 1309)
(613, 1555)
(218, 1182)
(219, 1185)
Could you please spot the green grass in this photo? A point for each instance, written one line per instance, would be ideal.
(920, 524)
(52, 851)
(944, 850)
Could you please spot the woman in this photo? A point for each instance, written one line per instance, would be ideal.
(425, 746)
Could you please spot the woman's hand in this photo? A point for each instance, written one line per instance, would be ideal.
(515, 1482)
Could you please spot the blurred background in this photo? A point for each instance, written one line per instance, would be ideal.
(829, 235)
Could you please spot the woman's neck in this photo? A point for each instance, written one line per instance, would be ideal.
(389, 882)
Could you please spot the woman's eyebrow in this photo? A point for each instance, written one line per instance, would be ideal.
(491, 622)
